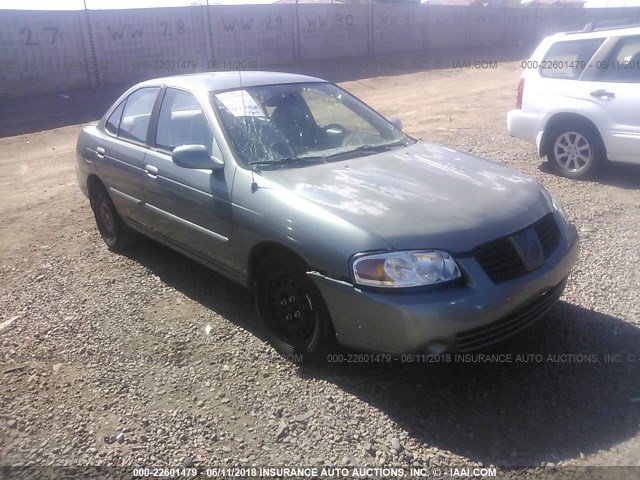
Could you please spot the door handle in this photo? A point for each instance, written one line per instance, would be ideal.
(100, 151)
(151, 171)
(602, 93)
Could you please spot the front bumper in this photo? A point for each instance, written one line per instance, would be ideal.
(460, 318)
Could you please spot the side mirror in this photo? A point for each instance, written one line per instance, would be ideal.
(195, 156)
(396, 122)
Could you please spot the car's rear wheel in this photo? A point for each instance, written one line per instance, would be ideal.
(575, 151)
(112, 229)
(292, 309)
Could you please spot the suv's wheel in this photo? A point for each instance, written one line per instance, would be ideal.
(575, 151)
(112, 229)
(292, 309)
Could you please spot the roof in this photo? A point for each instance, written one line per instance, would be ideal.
(465, 3)
(554, 2)
(580, 35)
(219, 81)
(313, 1)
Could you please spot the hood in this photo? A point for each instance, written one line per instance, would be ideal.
(422, 196)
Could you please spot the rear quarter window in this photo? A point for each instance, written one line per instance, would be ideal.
(113, 122)
(568, 59)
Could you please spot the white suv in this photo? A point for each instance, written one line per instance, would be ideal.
(579, 99)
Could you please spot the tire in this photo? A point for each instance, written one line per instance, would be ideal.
(575, 151)
(292, 309)
(113, 230)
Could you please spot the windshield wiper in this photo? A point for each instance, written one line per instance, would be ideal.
(370, 149)
(289, 161)
(302, 161)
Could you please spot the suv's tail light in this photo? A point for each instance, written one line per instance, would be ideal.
(519, 94)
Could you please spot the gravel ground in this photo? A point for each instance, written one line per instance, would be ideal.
(151, 359)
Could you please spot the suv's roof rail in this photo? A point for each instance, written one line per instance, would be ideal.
(609, 25)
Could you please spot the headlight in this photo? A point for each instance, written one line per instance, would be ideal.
(558, 208)
(554, 203)
(405, 269)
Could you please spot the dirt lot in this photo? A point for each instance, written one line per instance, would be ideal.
(96, 344)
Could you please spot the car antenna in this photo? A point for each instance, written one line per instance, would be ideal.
(254, 185)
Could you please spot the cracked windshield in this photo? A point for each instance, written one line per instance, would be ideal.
(298, 124)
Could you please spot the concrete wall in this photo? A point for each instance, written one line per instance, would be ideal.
(398, 28)
(447, 27)
(520, 26)
(603, 14)
(485, 26)
(333, 30)
(245, 34)
(548, 21)
(43, 51)
(132, 45)
(53, 51)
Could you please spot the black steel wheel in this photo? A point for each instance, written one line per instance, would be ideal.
(112, 229)
(292, 309)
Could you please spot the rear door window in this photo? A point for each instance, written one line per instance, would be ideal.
(568, 59)
(137, 114)
(624, 63)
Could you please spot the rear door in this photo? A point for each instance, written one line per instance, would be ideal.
(559, 86)
(189, 207)
(121, 148)
(616, 89)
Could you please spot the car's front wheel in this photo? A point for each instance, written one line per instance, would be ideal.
(292, 309)
(575, 151)
(112, 229)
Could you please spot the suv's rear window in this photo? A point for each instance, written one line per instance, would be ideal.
(567, 59)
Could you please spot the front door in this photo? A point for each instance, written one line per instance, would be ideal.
(188, 207)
